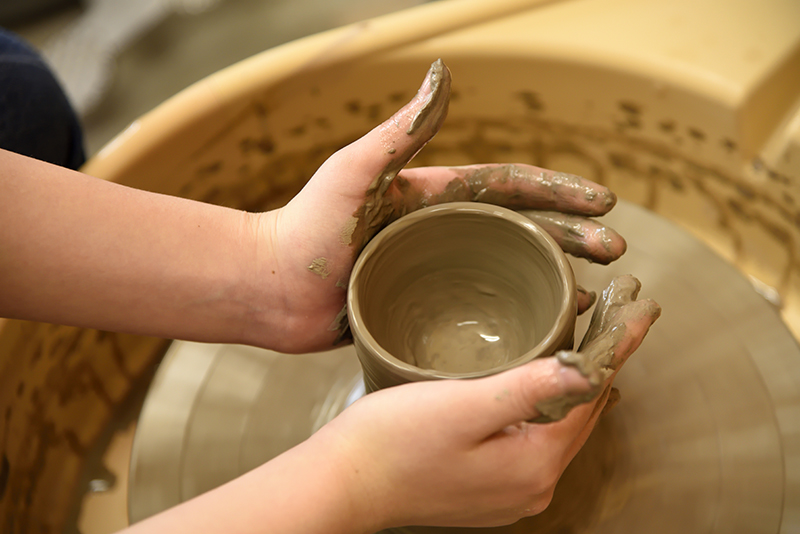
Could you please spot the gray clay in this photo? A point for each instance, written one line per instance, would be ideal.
(463, 289)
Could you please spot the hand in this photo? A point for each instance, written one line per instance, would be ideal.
(447, 453)
(357, 191)
(460, 452)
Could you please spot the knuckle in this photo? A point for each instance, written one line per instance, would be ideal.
(541, 503)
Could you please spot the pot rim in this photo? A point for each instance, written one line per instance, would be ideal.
(566, 315)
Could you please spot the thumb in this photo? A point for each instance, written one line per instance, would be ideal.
(543, 390)
(390, 146)
(385, 150)
(364, 170)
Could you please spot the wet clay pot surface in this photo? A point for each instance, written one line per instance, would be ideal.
(459, 290)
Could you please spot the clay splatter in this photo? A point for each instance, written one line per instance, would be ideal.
(346, 235)
(320, 266)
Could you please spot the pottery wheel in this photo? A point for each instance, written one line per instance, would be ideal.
(705, 439)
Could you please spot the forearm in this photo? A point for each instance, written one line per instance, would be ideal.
(81, 251)
(303, 491)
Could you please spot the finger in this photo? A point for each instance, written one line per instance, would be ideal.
(612, 347)
(580, 236)
(556, 408)
(622, 290)
(365, 170)
(621, 335)
(514, 186)
(526, 393)
(585, 299)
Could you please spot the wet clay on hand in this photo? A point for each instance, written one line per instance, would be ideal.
(615, 331)
(580, 236)
(563, 204)
(378, 209)
(402, 136)
(394, 192)
(464, 289)
(557, 408)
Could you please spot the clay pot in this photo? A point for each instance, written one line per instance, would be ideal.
(459, 290)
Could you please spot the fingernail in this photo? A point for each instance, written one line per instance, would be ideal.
(656, 309)
(581, 364)
(437, 85)
(580, 381)
(430, 77)
(573, 381)
(591, 294)
(577, 390)
(610, 199)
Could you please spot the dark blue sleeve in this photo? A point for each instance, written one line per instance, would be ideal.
(36, 119)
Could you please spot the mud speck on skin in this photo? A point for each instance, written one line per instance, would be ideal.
(346, 235)
(320, 266)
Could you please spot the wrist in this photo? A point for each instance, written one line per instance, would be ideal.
(261, 284)
(358, 482)
(313, 489)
